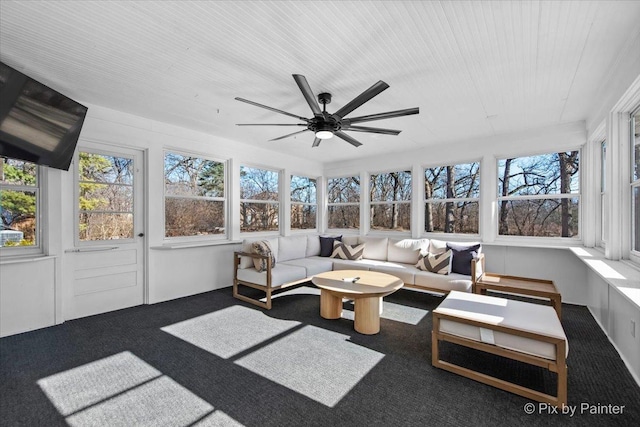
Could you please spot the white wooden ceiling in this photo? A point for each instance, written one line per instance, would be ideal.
(474, 68)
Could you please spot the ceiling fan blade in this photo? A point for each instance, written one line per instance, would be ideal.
(372, 130)
(347, 138)
(316, 142)
(308, 94)
(362, 98)
(387, 115)
(287, 136)
(271, 124)
(270, 108)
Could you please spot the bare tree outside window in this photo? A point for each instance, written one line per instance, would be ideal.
(259, 200)
(390, 201)
(452, 198)
(539, 195)
(303, 203)
(194, 196)
(19, 192)
(343, 195)
(105, 197)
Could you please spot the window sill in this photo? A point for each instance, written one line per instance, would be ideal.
(171, 246)
(623, 276)
(25, 258)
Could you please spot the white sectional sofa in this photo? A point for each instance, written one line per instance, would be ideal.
(297, 260)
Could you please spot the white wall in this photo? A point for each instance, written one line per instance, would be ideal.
(37, 293)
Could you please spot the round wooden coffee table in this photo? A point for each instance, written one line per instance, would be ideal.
(367, 292)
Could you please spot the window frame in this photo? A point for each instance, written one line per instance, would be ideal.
(279, 202)
(370, 203)
(40, 191)
(603, 212)
(634, 254)
(314, 204)
(444, 235)
(224, 199)
(577, 239)
(358, 204)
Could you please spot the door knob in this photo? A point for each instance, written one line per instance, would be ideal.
(140, 234)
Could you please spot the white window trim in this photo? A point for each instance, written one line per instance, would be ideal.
(279, 202)
(440, 234)
(358, 204)
(292, 202)
(41, 203)
(634, 255)
(551, 241)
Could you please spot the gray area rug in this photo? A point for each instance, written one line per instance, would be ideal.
(210, 360)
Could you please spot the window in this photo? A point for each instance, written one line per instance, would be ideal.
(105, 197)
(259, 200)
(194, 196)
(390, 197)
(343, 196)
(603, 194)
(539, 195)
(635, 181)
(19, 204)
(451, 196)
(303, 203)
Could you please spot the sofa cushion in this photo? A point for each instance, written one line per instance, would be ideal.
(446, 283)
(247, 261)
(437, 246)
(375, 247)
(344, 264)
(326, 245)
(313, 245)
(342, 251)
(313, 265)
(406, 251)
(281, 274)
(462, 256)
(436, 263)
(291, 247)
(262, 247)
(404, 272)
(350, 240)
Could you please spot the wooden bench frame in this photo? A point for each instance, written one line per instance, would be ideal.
(558, 365)
(267, 289)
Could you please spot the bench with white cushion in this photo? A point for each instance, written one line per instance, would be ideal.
(523, 331)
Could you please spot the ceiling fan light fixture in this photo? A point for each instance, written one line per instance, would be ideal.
(324, 134)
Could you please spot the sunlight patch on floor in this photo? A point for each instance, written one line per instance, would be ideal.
(123, 390)
(314, 362)
(229, 331)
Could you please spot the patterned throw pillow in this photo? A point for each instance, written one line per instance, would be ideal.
(262, 247)
(436, 263)
(350, 252)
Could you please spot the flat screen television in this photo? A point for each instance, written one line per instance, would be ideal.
(37, 123)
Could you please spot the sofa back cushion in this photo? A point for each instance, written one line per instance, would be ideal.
(313, 245)
(375, 247)
(406, 251)
(247, 262)
(292, 247)
(350, 240)
(437, 246)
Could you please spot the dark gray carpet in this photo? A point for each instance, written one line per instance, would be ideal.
(213, 360)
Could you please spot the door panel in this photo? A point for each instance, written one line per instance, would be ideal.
(108, 257)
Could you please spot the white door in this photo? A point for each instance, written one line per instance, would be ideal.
(109, 254)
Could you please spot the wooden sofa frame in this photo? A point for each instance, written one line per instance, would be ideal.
(558, 365)
(268, 289)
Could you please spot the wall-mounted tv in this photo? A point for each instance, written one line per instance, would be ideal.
(37, 123)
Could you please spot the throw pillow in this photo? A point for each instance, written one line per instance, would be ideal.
(436, 263)
(262, 247)
(326, 245)
(350, 252)
(462, 256)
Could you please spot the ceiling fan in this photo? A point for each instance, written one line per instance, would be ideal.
(326, 125)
